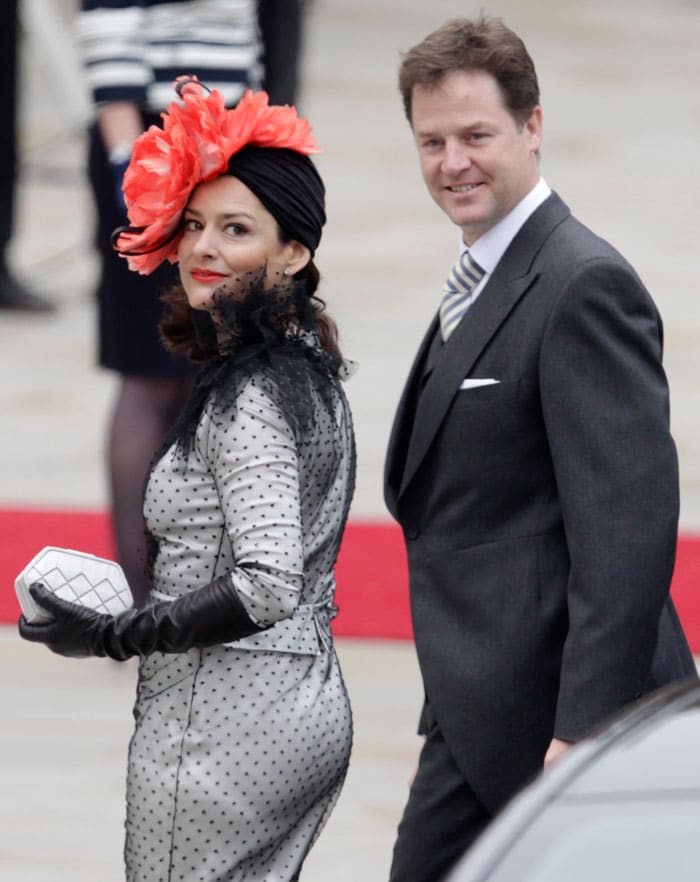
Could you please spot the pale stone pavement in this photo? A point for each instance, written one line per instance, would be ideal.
(622, 126)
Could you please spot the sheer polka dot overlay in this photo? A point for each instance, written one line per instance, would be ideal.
(240, 751)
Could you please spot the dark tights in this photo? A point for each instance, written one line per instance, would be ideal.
(144, 411)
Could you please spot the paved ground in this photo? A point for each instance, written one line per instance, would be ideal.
(622, 125)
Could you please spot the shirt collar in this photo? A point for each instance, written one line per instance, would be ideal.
(490, 248)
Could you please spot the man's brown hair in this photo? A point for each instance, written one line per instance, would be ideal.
(485, 44)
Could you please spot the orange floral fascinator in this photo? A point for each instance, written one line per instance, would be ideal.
(197, 140)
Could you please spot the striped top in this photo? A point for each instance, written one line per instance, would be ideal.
(132, 51)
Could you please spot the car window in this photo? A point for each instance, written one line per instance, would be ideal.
(614, 842)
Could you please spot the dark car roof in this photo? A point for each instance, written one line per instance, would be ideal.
(651, 752)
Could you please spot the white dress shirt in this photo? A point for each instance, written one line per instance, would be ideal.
(490, 248)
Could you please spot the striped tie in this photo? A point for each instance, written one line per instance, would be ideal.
(457, 293)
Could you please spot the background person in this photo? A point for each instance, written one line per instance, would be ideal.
(13, 293)
(132, 51)
(243, 726)
(530, 463)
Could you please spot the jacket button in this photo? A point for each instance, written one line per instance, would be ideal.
(412, 531)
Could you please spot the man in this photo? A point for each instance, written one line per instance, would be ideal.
(530, 464)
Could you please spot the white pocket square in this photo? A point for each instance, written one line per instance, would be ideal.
(473, 382)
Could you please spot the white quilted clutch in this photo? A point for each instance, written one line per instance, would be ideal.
(76, 576)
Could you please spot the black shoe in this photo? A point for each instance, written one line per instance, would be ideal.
(13, 295)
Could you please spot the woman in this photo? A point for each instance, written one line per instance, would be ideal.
(243, 726)
(129, 49)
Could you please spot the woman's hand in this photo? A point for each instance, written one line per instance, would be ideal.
(72, 630)
(208, 616)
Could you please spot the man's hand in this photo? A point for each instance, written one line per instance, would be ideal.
(556, 749)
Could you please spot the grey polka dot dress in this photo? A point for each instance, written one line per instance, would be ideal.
(240, 750)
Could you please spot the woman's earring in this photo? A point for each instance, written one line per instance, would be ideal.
(287, 271)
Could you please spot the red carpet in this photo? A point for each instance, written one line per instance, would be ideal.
(371, 572)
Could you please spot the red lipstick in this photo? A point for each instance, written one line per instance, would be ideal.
(204, 275)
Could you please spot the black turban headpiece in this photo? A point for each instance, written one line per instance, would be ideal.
(288, 185)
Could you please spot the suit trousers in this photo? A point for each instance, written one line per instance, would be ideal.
(442, 817)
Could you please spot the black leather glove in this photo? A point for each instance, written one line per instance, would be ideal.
(211, 615)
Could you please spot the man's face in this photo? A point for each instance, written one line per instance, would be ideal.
(476, 162)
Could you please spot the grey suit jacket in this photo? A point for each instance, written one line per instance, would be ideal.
(540, 513)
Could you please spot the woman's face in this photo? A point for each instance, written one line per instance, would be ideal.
(229, 238)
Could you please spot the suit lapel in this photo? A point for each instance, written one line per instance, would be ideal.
(512, 278)
(404, 420)
(457, 359)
